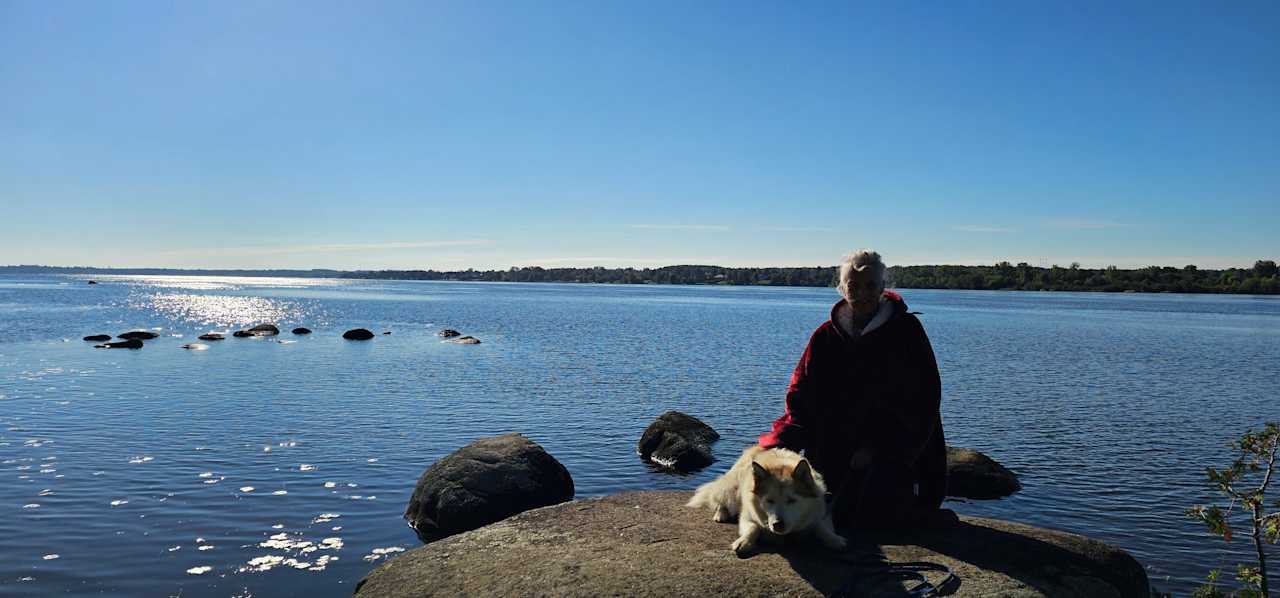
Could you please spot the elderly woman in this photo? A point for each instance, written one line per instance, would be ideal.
(863, 406)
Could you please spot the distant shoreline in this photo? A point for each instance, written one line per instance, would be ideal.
(1262, 279)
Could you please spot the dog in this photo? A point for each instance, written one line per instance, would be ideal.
(772, 493)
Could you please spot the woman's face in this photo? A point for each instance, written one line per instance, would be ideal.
(862, 290)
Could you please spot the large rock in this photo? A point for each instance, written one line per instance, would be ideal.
(677, 441)
(971, 474)
(132, 343)
(649, 544)
(141, 335)
(259, 330)
(301, 330)
(486, 481)
(357, 334)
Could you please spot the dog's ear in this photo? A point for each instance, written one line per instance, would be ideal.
(759, 475)
(803, 477)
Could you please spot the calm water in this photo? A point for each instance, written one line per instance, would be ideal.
(128, 472)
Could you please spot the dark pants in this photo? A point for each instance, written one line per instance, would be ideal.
(884, 495)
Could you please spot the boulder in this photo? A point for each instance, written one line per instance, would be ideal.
(301, 330)
(971, 474)
(448, 333)
(358, 334)
(259, 330)
(142, 335)
(464, 340)
(650, 544)
(132, 343)
(211, 336)
(486, 481)
(97, 338)
(677, 441)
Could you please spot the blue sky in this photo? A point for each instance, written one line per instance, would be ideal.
(493, 134)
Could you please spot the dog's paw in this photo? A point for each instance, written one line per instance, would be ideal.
(743, 547)
(835, 542)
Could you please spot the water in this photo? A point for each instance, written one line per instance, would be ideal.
(138, 469)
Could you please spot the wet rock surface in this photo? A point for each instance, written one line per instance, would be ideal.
(971, 474)
(677, 441)
(132, 343)
(301, 330)
(141, 335)
(649, 544)
(97, 338)
(357, 334)
(259, 330)
(486, 481)
(211, 336)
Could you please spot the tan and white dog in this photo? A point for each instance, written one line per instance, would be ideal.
(772, 493)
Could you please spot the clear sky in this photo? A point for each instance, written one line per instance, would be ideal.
(491, 134)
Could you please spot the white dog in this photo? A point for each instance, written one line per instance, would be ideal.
(772, 493)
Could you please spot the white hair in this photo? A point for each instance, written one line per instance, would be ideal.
(861, 260)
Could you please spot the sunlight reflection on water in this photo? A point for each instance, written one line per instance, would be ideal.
(218, 310)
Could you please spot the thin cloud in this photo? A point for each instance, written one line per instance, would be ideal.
(718, 228)
(975, 228)
(330, 248)
(796, 229)
(1078, 224)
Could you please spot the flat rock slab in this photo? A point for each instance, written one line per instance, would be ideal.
(649, 544)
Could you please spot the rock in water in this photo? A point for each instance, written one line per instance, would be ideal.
(259, 330)
(211, 336)
(971, 474)
(301, 330)
(358, 334)
(677, 441)
(648, 544)
(141, 335)
(448, 333)
(464, 340)
(97, 338)
(486, 481)
(132, 343)
(195, 346)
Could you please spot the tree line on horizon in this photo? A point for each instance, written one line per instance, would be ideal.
(1263, 278)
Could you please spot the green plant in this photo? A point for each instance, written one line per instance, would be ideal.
(1245, 484)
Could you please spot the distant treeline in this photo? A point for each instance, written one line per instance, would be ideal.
(28, 269)
(1261, 279)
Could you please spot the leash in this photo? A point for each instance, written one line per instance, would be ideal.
(877, 568)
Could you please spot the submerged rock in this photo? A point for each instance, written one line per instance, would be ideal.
(259, 330)
(971, 474)
(211, 336)
(142, 335)
(301, 330)
(650, 544)
(357, 334)
(97, 338)
(132, 343)
(677, 441)
(486, 481)
(195, 346)
(465, 340)
(448, 333)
